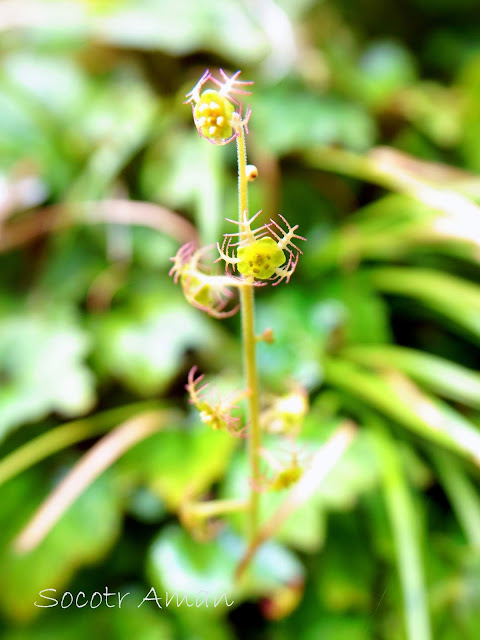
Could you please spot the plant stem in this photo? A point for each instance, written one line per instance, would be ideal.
(323, 462)
(254, 444)
(247, 301)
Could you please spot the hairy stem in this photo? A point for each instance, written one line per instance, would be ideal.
(249, 354)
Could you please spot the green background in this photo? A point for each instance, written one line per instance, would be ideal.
(365, 130)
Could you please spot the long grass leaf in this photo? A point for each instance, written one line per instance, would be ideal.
(439, 375)
(456, 299)
(397, 397)
(65, 435)
(462, 494)
(404, 523)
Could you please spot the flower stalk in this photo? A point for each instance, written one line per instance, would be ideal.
(256, 255)
(247, 305)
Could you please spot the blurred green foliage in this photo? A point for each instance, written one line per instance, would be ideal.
(381, 321)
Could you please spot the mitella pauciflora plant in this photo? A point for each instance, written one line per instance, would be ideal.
(253, 256)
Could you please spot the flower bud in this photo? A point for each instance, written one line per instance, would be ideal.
(252, 172)
(213, 116)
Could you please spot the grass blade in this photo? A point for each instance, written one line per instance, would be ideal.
(439, 375)
(436, 290)
(404, 523)
(65, 435)
(397, 397)
(462, 494)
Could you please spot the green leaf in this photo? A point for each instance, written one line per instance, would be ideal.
(356, 473)
(316, 625)
(422, 414)
(82, 536)
(174, 464)
(462, 493)
(287, 118)
(384, 68)
(305, 529)
(58, 438)
(385, 229)
(54, 82)
(23, 125)
(177, 563)
(300, 333)
(223, 28)
(143, 344)
(116, 124)
(167, 177)
(73, 263)
(345, 581)
(331, 628)
(365, 314)
(121, 623)
(42, 358)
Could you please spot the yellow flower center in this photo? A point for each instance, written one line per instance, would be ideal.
(213, 116)
(260, 258)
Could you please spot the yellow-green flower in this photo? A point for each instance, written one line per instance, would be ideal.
(260, 256)
(216, 112)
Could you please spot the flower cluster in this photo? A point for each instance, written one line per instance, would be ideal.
(216, 113)
(262, 254)
(266, 253)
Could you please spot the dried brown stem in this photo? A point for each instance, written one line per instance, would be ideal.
(128, 212)
(101, 456)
